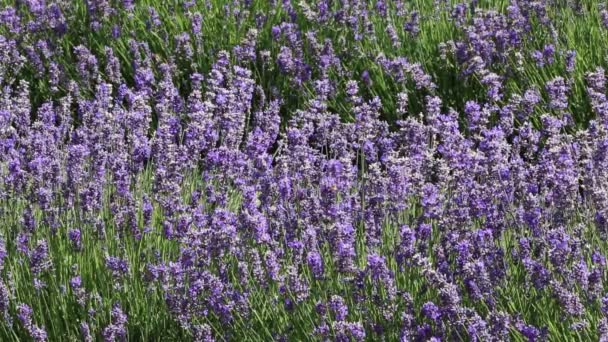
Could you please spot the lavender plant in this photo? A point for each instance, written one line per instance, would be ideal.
(319, 170)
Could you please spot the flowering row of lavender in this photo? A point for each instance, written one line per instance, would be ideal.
(323, 170)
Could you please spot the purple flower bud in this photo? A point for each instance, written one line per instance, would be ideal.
(75, 239)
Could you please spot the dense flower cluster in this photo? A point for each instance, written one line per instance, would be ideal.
(207, 200)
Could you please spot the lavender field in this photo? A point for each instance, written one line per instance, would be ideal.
(303, 170)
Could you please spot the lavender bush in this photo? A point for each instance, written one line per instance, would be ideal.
(313, 170)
